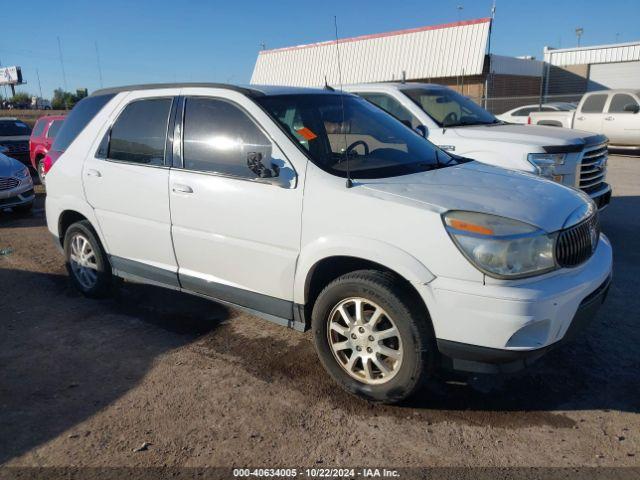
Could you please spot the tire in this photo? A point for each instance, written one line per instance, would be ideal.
(40, 171)
(415, 340)
(24, 208)
(97, 282)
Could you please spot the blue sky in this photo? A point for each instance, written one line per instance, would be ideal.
(165, 41)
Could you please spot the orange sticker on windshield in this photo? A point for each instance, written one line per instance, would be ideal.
(306, 133)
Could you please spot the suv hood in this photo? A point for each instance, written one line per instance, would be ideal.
(482, 188)
(524, 134)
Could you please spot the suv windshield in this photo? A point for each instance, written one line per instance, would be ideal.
(333, 128)
(13, 128)
(448, 108)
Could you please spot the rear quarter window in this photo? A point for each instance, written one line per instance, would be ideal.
(80, 116)
(39, 128)
(54, 129)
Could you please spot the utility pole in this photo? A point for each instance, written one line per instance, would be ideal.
(39, 85)
(98, 60)
(579, 32)
(486, 80)
(64, 75)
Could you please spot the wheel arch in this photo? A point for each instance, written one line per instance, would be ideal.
(327, 259)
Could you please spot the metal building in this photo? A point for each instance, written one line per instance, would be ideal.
(581, 69)
(452, 54)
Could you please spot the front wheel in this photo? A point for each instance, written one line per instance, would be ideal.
(372, 337)
(87, 262)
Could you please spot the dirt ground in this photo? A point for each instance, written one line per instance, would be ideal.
(85, 382)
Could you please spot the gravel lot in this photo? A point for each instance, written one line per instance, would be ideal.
(85, 382)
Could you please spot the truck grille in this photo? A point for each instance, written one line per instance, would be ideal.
(593, 168)
(7, 183)
(576, 244)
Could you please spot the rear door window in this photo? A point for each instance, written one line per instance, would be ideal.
(39, 128)
(54, 128)
(139, 135)
(219, 137)
(80, 116)
(594, 103)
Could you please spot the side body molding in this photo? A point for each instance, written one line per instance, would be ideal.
(364, 248)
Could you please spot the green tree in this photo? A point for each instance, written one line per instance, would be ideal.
(21, 98)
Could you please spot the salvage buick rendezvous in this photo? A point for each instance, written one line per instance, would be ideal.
(315, 209)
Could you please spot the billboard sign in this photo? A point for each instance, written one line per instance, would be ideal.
(10, 76)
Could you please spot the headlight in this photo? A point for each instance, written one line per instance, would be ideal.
(499, 246)
(24, 173)
(546, 163)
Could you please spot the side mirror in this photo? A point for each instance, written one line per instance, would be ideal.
(422, 130)
(632, 107)
(254, 162)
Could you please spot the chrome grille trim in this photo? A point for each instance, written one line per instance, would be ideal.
(575, 245)
(8, 183)
(593, 167)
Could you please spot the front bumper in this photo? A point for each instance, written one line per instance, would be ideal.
(502, 326)
(23, 194)
(472, 358)
(602, 197)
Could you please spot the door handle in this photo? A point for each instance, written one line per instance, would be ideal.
(580, 118)
(609, 118)
(180, 188)
(93, 173)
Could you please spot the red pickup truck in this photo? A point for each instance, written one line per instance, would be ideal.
(42, 136)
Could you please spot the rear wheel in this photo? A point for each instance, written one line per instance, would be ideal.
(41, 171)
(87, 262)
(372, 337)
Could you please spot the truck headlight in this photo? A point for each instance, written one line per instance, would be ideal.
(501, 247)
(546, 164)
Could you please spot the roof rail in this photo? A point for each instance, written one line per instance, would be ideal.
(150, 86)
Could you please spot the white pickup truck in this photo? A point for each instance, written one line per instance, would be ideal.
(613, 113)
(458, 125)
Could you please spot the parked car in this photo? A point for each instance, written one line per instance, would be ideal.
(38, 103)
(613, 113)
(404, 258)
(520, 114)
(14, 135)
(457, 124)
(16, 186)
(42, 136)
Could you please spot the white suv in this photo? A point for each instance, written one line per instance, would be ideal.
(315, 209)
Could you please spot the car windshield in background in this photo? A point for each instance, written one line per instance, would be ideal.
(13, 128)
(448, 108)
(332, 128)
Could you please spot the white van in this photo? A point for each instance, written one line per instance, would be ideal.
(457, 124)
(317, 210)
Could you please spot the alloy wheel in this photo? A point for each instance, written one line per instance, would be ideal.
(365, 340)
(83, 261)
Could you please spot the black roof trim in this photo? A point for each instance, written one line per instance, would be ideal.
(150, 86)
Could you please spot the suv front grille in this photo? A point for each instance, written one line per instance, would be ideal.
(593, 168)
(7, 183)
(576, 244)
